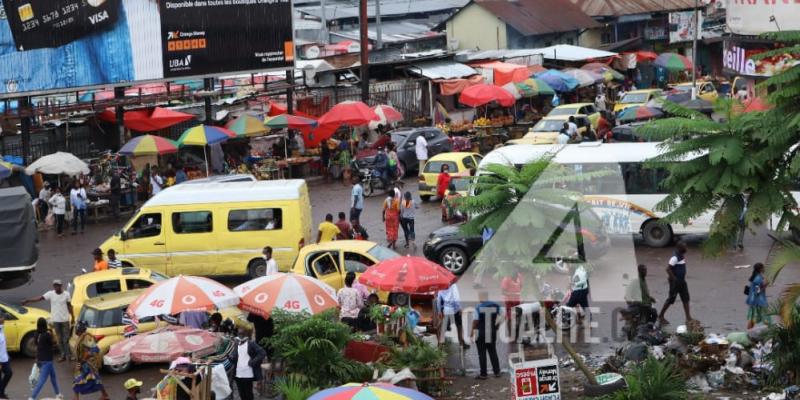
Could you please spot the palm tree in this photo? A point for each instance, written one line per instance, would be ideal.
(526, 208)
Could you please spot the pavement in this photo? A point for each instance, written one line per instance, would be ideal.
(715, 284)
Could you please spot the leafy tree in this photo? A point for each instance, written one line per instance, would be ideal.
(744, 154)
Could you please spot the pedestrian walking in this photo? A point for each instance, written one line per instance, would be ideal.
(391, 218)
(580, 292)
(757, 297)
(86, 377)
(272, 265)
(247, 363)
(99, 263)
(357, 230)
(486, 326)
(61, 314)
(421, 150)
(407, 214)
(59, 204)
(511, 287)
(79, 202)
(676, 272)
(156, 181)
(5, 361)
(448, 307)
(357, 203)
(132, 389)
(115, 188)
(113, 262)
(327, 230)
(44, 360)
(44, 198)
(742, 226)
(350, 301)
(344, 227)
(443, 182)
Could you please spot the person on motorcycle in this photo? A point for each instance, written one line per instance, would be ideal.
(381, 165)
(393, 162)
(637, 295)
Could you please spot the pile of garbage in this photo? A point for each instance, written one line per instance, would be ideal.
(735, 362)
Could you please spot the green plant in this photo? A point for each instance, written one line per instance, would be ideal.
(785, 354)
(653, 379)
(418, 355)
(294, 387)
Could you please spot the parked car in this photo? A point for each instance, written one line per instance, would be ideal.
(459, 164)
(20, 327)
(455, 251)
(93, 284)
(587, 109)
(547, 129)
(705, 90)
(331, 261)
(636, 98)
(405, 140)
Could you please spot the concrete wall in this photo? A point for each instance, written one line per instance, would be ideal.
(473, 27)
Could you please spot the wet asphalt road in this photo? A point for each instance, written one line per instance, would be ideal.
(715, 284)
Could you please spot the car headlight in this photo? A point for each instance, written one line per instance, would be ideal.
(434, 240)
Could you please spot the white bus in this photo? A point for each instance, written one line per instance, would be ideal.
(625, 199)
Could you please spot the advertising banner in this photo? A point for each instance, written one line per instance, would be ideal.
(535, 380)
(737, 59)
(749, 17)
(681, 26)
(63, 44)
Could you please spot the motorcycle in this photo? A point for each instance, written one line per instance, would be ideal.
(371, 179)
(637, 317)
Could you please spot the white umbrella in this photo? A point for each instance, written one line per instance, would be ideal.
(512, 88)
(57, 164)
(182, 293)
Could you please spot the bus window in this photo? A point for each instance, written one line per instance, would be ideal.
(609, 183)
(642, 180)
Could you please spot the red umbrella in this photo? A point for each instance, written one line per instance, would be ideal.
(478, 95)
(645, 55)
(148, 120)
(351, 113)
(388, 113)
(407, 275)
(755, 105)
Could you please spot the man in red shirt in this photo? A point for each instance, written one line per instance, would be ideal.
(344, 227)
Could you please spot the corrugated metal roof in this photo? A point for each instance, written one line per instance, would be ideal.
(394, 32)
(567, 52)
(472, 55)
(388, 8)
(537, 17)
(442, 69)
(616, 8)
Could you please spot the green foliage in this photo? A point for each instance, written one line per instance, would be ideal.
(312, 346)
(295, 387)
(653, 380)
(785, 355)
(418, 355)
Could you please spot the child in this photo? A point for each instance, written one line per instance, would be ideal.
(112, 259)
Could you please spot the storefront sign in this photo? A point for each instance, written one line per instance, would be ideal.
(753, 17)
(682, 27)
(49, 45)
(739, 60)
(536, 380)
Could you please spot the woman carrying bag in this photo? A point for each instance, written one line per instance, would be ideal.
(756, 292)
(44, 360)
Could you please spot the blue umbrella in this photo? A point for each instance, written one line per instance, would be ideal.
(558, 80)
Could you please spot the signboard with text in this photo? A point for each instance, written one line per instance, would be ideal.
(48, 45)
(536, 380)
(750, 17)
(682, 27)
(738, 59)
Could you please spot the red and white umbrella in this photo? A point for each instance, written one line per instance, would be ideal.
(163, 345)
(182, 293)
(288, 292)
(388, 113)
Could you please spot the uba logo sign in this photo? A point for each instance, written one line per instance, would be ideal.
(181, 64)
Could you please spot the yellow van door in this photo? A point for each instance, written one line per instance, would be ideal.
(326, 268)
(192, 246)
(144, 242)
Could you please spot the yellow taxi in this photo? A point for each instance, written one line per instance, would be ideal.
(20, 327)
(705, 90)
(103, 315)
(587, 109)
(459, 164)
(93, 284)
(546, 130)
(331, 261)
(636, 98)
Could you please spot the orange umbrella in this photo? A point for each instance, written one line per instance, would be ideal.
(288, 292)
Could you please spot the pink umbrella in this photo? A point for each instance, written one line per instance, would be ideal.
(162, 345)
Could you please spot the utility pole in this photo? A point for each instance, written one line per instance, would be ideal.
(208, 86)
(324, 21)
(378, 33)
(694, 48)
(290, 91)
(24, 106)
(119, 111)
(364, 46)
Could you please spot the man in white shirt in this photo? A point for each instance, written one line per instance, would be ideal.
(5, 362)
(580, 292)
(156, 181)
(357, 202)
(421, 148)
(573, 129)
(272, 266)
(448, 305)
(44, 198)
(60, 314)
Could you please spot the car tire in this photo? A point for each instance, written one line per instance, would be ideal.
(656, 234)
(425, 197)
(454, 259)
(119, 369)
(257, 268)
(28, 345)
(399, 299)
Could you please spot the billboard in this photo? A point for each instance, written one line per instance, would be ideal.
(749, 17)
(50, 45)
(737, 59)
(681, 26)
